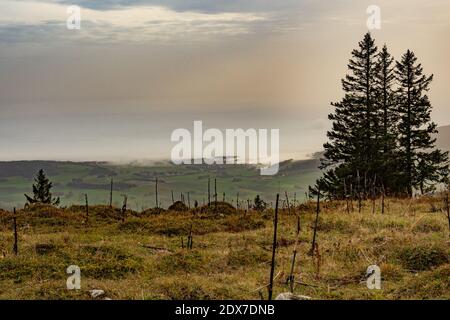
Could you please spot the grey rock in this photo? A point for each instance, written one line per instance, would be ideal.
(290, 296)
(96, 293)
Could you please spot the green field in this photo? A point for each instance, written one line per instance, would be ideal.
(72, 180)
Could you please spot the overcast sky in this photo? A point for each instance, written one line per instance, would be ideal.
(139, 69)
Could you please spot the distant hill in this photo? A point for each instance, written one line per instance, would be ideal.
(443, 138)
(72, 180)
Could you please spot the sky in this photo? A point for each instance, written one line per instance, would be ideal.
(137, 70)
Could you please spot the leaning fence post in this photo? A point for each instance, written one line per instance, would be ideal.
(291, 278)
(448, 209)
(156, 193)
(189, 244)
(287, 202)
(209, 191)
(274, 247)
(111, 193)
(313, 245)
(124, 208)
(87, 207)
(351, 197)
(215, 195)
(345, 196)
(15, 247)
(189, 201)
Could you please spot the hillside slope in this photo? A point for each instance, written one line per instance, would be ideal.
(72, 180)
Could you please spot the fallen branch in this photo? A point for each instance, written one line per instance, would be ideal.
(266, 285)
(156, 248)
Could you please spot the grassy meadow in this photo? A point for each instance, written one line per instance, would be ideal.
(144, 256)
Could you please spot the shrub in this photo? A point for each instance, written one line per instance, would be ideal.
(152, 211)
(422, 257)
(178, 206)
(427, 225)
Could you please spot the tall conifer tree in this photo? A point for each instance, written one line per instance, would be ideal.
(353, 145)
(422, 164)
(42, 190)
(387, 120)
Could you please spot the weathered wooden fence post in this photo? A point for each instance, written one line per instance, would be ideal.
(124, 208)
(359, 191)
(274, 247)
(351, 197)
(189, 201)
(209, 191)
(313, 245)
(346, 197)
(189, 243)
(156, 193)
(87, 207)
(287, 202)
(291, 278)
(215, 195)
(374, 194)
(447, 208)
(111, 193)
(15, 246)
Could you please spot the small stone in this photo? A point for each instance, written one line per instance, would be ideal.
(96, 293)
(290, 296)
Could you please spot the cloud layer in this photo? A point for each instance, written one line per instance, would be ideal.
(138, 69)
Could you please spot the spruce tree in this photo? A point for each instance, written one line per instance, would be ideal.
(388, 118)
(42, 190)
(422, 165)
(260, 205)
(353, 145)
